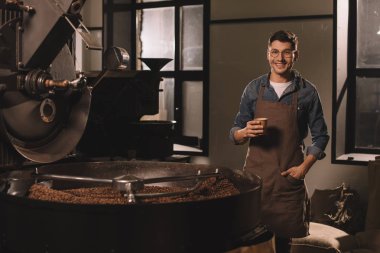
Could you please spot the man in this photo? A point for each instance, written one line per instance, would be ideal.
(292, 106)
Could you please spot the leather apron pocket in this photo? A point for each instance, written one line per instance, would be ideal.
(288, 207)
(295, 181)
(289, 188)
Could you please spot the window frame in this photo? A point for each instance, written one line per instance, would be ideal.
(177, 74)
(349, 90)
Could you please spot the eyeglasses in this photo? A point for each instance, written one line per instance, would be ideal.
(286, 53)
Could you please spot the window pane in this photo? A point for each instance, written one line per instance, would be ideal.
(166, 99)
(368, 40)
(155, 35)
(166, 102)
(368, 113)
(192, 93)
(86, 59)
(122, 30)
(192, 38)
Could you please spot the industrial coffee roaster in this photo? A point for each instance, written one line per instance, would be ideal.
(48, 111)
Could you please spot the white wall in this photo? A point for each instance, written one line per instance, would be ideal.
(237, 55)
(227, 9)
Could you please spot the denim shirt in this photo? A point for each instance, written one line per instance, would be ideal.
(309, 110)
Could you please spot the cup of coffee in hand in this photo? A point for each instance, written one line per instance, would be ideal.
(263, 122)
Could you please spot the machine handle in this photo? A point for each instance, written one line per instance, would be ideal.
(78, 83)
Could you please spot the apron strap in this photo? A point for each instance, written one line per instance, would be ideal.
(294, 95)
(261, 92)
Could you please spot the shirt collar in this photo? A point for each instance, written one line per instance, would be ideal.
(296, 82)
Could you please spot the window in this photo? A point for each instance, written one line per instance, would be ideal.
(356, 136)
(175, 29)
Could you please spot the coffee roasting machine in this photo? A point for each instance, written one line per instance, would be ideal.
(49, 112)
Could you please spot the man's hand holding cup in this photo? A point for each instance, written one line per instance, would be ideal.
(255, 127)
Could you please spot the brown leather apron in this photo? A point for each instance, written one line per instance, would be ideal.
(285, 204)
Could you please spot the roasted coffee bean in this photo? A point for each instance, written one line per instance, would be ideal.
(209, 189)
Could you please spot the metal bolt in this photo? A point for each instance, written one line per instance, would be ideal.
(75, 7)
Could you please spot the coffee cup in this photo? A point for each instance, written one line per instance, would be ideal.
(263, 122)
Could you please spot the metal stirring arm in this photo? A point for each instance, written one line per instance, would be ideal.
(129, 184)
(129, 193)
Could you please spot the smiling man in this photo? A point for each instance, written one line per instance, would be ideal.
(278, 155)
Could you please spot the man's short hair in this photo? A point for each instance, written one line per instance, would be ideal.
(284, 36)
